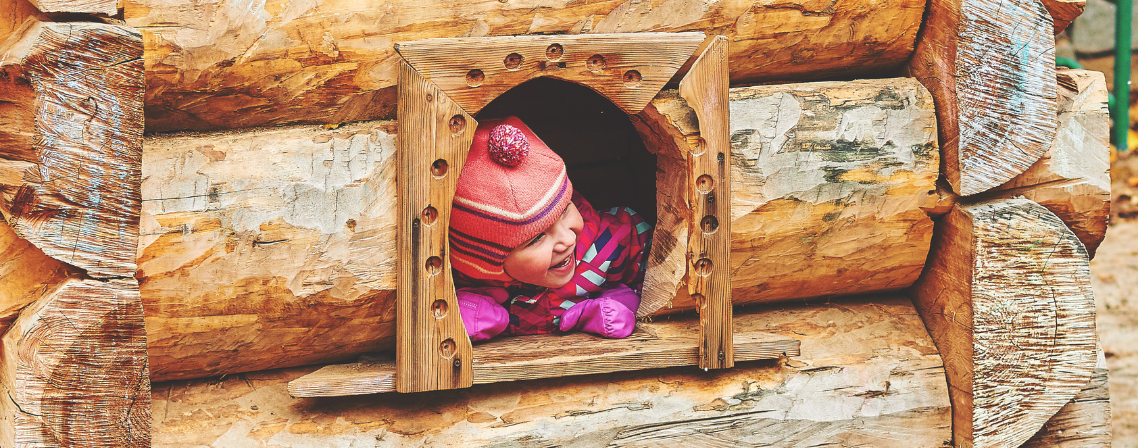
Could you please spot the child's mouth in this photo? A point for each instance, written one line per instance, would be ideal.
(562, 264)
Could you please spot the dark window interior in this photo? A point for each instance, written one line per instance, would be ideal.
(604, 155)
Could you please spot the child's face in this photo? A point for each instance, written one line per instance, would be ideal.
(548, 258)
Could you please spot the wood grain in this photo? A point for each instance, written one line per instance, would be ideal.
(1063, 12)
(71, 142)
(12, 16)
(628, 69)
(651, 346)
(988, 65)
(74, 369)
(868, 374)
(709, 179)
(1085, 421)
(1072, 179)
(26, 274)
(225, 64)
(432, 348)
(1007, 298)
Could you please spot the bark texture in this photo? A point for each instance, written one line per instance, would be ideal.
(71, 142)
(221, 64)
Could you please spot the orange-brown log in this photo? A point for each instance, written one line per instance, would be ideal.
(990, 66)
(1063, 12)
(71, 141)
(1007, 298)
(26, 274)
(73, 370)
(222, 64)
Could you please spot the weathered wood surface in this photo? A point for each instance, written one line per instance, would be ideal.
(74, 369)
(26, 274)
(222, 64)
(268, 247)
(628, 68)
(1085, 421)
(1063, 12)
(989, 65)
(1007, 298)
(276, 247)
(868, 374)
(1072, 179)
(71, 141)
(103, 7)
(12, 16)
(651, 346)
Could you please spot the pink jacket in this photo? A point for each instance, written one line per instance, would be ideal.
(611, 255)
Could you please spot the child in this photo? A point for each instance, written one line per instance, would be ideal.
(530, 256)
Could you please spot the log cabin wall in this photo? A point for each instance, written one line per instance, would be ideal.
(243, 265)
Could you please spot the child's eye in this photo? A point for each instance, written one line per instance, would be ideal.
(535, 239)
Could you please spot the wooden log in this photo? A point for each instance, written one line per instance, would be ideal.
(988, 64)
(1072, 179)
(1007, 298)
(71, 142)
(1085, 421)
(74, 369)
(268, 247)
(1063, 12)
(868, 375)
(12, 16)
(276, 247)
(651, 346)
(26, 274)
(224, 64)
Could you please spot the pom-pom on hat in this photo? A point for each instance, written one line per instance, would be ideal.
(512, 187)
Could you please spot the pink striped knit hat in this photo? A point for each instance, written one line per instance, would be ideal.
(511, 188)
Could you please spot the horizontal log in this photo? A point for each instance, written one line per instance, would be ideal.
(651, 346)
(74, 369)
(26, 274)
(12, 16)
(1007, 298)
(868, 375)
(71, 142)
(1063, 12)
(1072, 179)
(988, 64)
(223, 64)
(1085, 422)
(275, 247)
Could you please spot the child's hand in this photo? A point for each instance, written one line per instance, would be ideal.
(611, 315)
(482, 312)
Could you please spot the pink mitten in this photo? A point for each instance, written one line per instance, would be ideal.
(482, 312)
(607, 316)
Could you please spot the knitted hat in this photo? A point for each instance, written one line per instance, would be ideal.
(512, 187)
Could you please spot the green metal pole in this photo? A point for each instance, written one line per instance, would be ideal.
(1121, 110)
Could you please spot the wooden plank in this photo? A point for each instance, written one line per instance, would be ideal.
(225, 64)
(71, 142)
(868, 375)
(1072, 179)
(988, 65)
(651, 346)
(628, 69)
(74, 369)
(1007, 298)
(432, 348)
(709, 185)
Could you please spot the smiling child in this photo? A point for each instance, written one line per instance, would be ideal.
(531, 256)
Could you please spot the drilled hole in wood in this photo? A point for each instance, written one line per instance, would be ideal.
(439, 168)
(475, 77)
(704, 184)
(596, 63)
(457, 124)
(554, 52)
(446, 349)
(709, 224)
(698, 146)
(632, 78)
(434, 265)
(439, 308)
(703, 267)
(430, 214)
(513, 61)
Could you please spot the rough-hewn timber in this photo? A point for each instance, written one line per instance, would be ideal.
(989, 65)
(26, 274)
(71, 141)
(868, 375)
(222, 64)
(73, 371)
(1007, 298)
(1085, 421)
